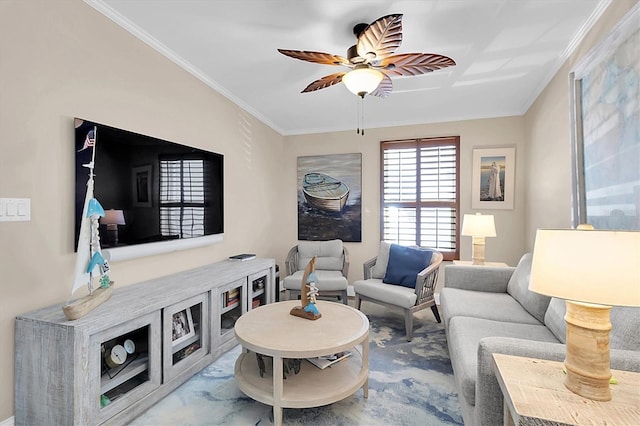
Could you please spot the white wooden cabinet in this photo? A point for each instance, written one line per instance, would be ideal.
(63, 374)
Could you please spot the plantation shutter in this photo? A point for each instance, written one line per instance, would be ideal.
(419, 188)
(182, 197)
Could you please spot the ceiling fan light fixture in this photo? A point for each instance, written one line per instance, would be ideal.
(362, 80)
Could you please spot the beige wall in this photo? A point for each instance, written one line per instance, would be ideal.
(548, 130)
(61, 59)
(509, 131)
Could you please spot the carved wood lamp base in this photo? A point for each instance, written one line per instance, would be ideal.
(478, 251)
(588, 361)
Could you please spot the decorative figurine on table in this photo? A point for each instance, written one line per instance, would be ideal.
(308, 293)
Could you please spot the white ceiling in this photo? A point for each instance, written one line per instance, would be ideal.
(506, 52)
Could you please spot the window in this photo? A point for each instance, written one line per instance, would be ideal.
(419, 193)
(182, 197)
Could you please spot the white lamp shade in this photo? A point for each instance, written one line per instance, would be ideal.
(478, 225)
(601, 267)
(362, 81)
(113, 217)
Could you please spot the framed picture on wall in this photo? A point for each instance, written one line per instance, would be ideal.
(493, 178)
(142, 186)
(329, 197)
(606, 130)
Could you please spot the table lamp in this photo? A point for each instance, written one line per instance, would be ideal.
(592, 270)
(112, 218)
(478, 226)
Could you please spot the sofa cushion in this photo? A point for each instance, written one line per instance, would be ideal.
(554, 319)
(380, 267)
(328, 254)
(482, 304)
(465, 334)
(405, 263)
(518, 287)
(625, 323)
(327, 281)
(396, 295)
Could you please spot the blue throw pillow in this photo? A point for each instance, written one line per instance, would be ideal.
(404, 265)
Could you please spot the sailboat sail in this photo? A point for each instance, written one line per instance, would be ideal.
(89, 259)
(89, 256)
(81, 276)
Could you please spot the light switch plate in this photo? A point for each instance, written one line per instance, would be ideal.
(15, 209)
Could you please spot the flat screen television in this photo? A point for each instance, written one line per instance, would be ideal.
(157, 194)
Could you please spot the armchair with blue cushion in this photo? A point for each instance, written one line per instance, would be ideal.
(331, 268)
(401, 277)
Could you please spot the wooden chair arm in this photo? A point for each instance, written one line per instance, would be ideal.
(291, 263)
(345, 263)
(427, 279)
(368, 266)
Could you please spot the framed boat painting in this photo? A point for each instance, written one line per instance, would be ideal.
(605, 88)
(329, 197)
(493, 177)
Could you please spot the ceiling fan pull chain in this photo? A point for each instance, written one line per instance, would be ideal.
(362, 111)
(357, 116)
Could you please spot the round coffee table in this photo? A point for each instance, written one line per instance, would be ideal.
(270, 330)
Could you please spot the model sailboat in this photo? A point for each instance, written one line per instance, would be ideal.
(308, 294)
(90, 262)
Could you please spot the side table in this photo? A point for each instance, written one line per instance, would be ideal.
(534, 394)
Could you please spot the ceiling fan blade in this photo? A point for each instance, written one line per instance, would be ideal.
(324, 82)
(315, 57)
(381, 38)
(384, 88)
(414, 63)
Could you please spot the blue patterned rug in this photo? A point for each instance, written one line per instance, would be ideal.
(410, 383)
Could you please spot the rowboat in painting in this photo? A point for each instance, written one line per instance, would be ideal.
(325, 192)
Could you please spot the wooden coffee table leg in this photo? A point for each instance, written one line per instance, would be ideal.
(277, 390)
(365, 365)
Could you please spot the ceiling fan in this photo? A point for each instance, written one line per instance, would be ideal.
(371, 60)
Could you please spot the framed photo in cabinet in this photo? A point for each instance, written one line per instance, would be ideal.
(182, 326)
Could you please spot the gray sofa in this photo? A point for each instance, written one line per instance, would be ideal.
(490, 310)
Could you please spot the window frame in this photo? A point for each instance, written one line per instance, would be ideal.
(416, 144)
(182, 205)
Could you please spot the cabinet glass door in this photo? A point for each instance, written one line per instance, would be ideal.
(185, 334)
(125, 357)
(259, 290)
(232, 302)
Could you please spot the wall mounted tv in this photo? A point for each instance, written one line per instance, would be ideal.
(170, 195)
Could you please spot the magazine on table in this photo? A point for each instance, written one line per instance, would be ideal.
(323, 362)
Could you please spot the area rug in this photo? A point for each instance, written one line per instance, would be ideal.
(410, 383)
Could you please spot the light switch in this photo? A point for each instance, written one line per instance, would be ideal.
(24, 207)
(12, 207)
(15, 209)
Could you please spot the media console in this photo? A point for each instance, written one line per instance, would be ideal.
(133, 350)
